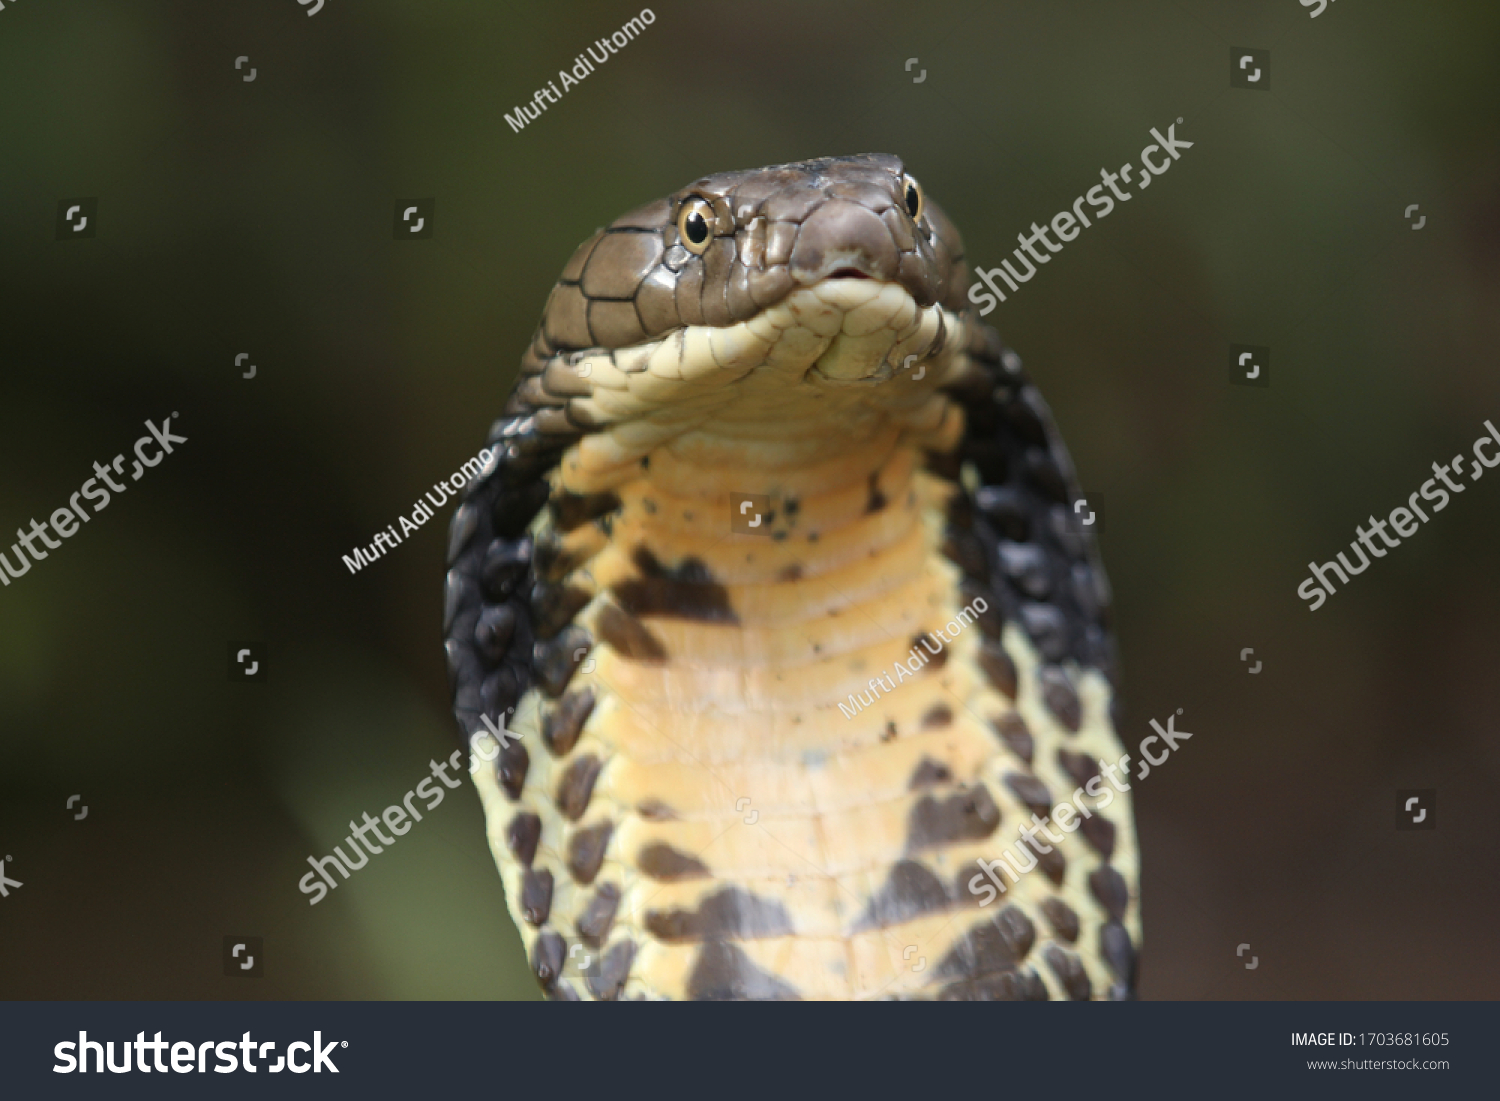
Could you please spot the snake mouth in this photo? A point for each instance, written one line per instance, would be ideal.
(871, 325)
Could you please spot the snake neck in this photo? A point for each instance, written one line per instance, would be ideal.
(795, 731)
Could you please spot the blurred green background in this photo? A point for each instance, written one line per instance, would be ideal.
(256, 217)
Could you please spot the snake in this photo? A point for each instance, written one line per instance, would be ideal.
(772, 625)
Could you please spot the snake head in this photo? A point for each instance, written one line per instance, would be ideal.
(729, 246)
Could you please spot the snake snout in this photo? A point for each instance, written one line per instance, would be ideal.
(843, 238)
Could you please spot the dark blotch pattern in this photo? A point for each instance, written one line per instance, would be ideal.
(586, 851)
(991, 620)
(562, 725)
(1099, 832)
(687, 592)
(628, 635)
(1064, 920)
(961, 894)
(599, 915)
(909, 890)
(1015, 734)
(1060, 697)
(1119, 953)
(553, 607)
(723, 972)
(1108, 887)
(992, 946)
(667, 865)
(536, 895)
(996, 665)
(511, 767)
(938, 715)
(1069, 971)
(1054, 865)
(547, 958)
(731, 913)
(966, 815)
(1031, 791)
(1016, 931)
(551, 560)
(577, 786)
(570, 510)
(1080, 766)
(556, 661)
(1021, 985)
(521, 836)
(928, 773)
(606, 981)
(932, 642)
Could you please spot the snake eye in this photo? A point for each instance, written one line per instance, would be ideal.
(911, 196)
(695, 226)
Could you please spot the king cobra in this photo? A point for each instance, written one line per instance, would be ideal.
(775, 610)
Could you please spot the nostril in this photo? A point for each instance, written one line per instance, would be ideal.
(848, 273)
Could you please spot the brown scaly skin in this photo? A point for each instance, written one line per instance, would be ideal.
(710, 797)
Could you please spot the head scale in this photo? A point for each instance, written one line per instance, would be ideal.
(726, 247)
